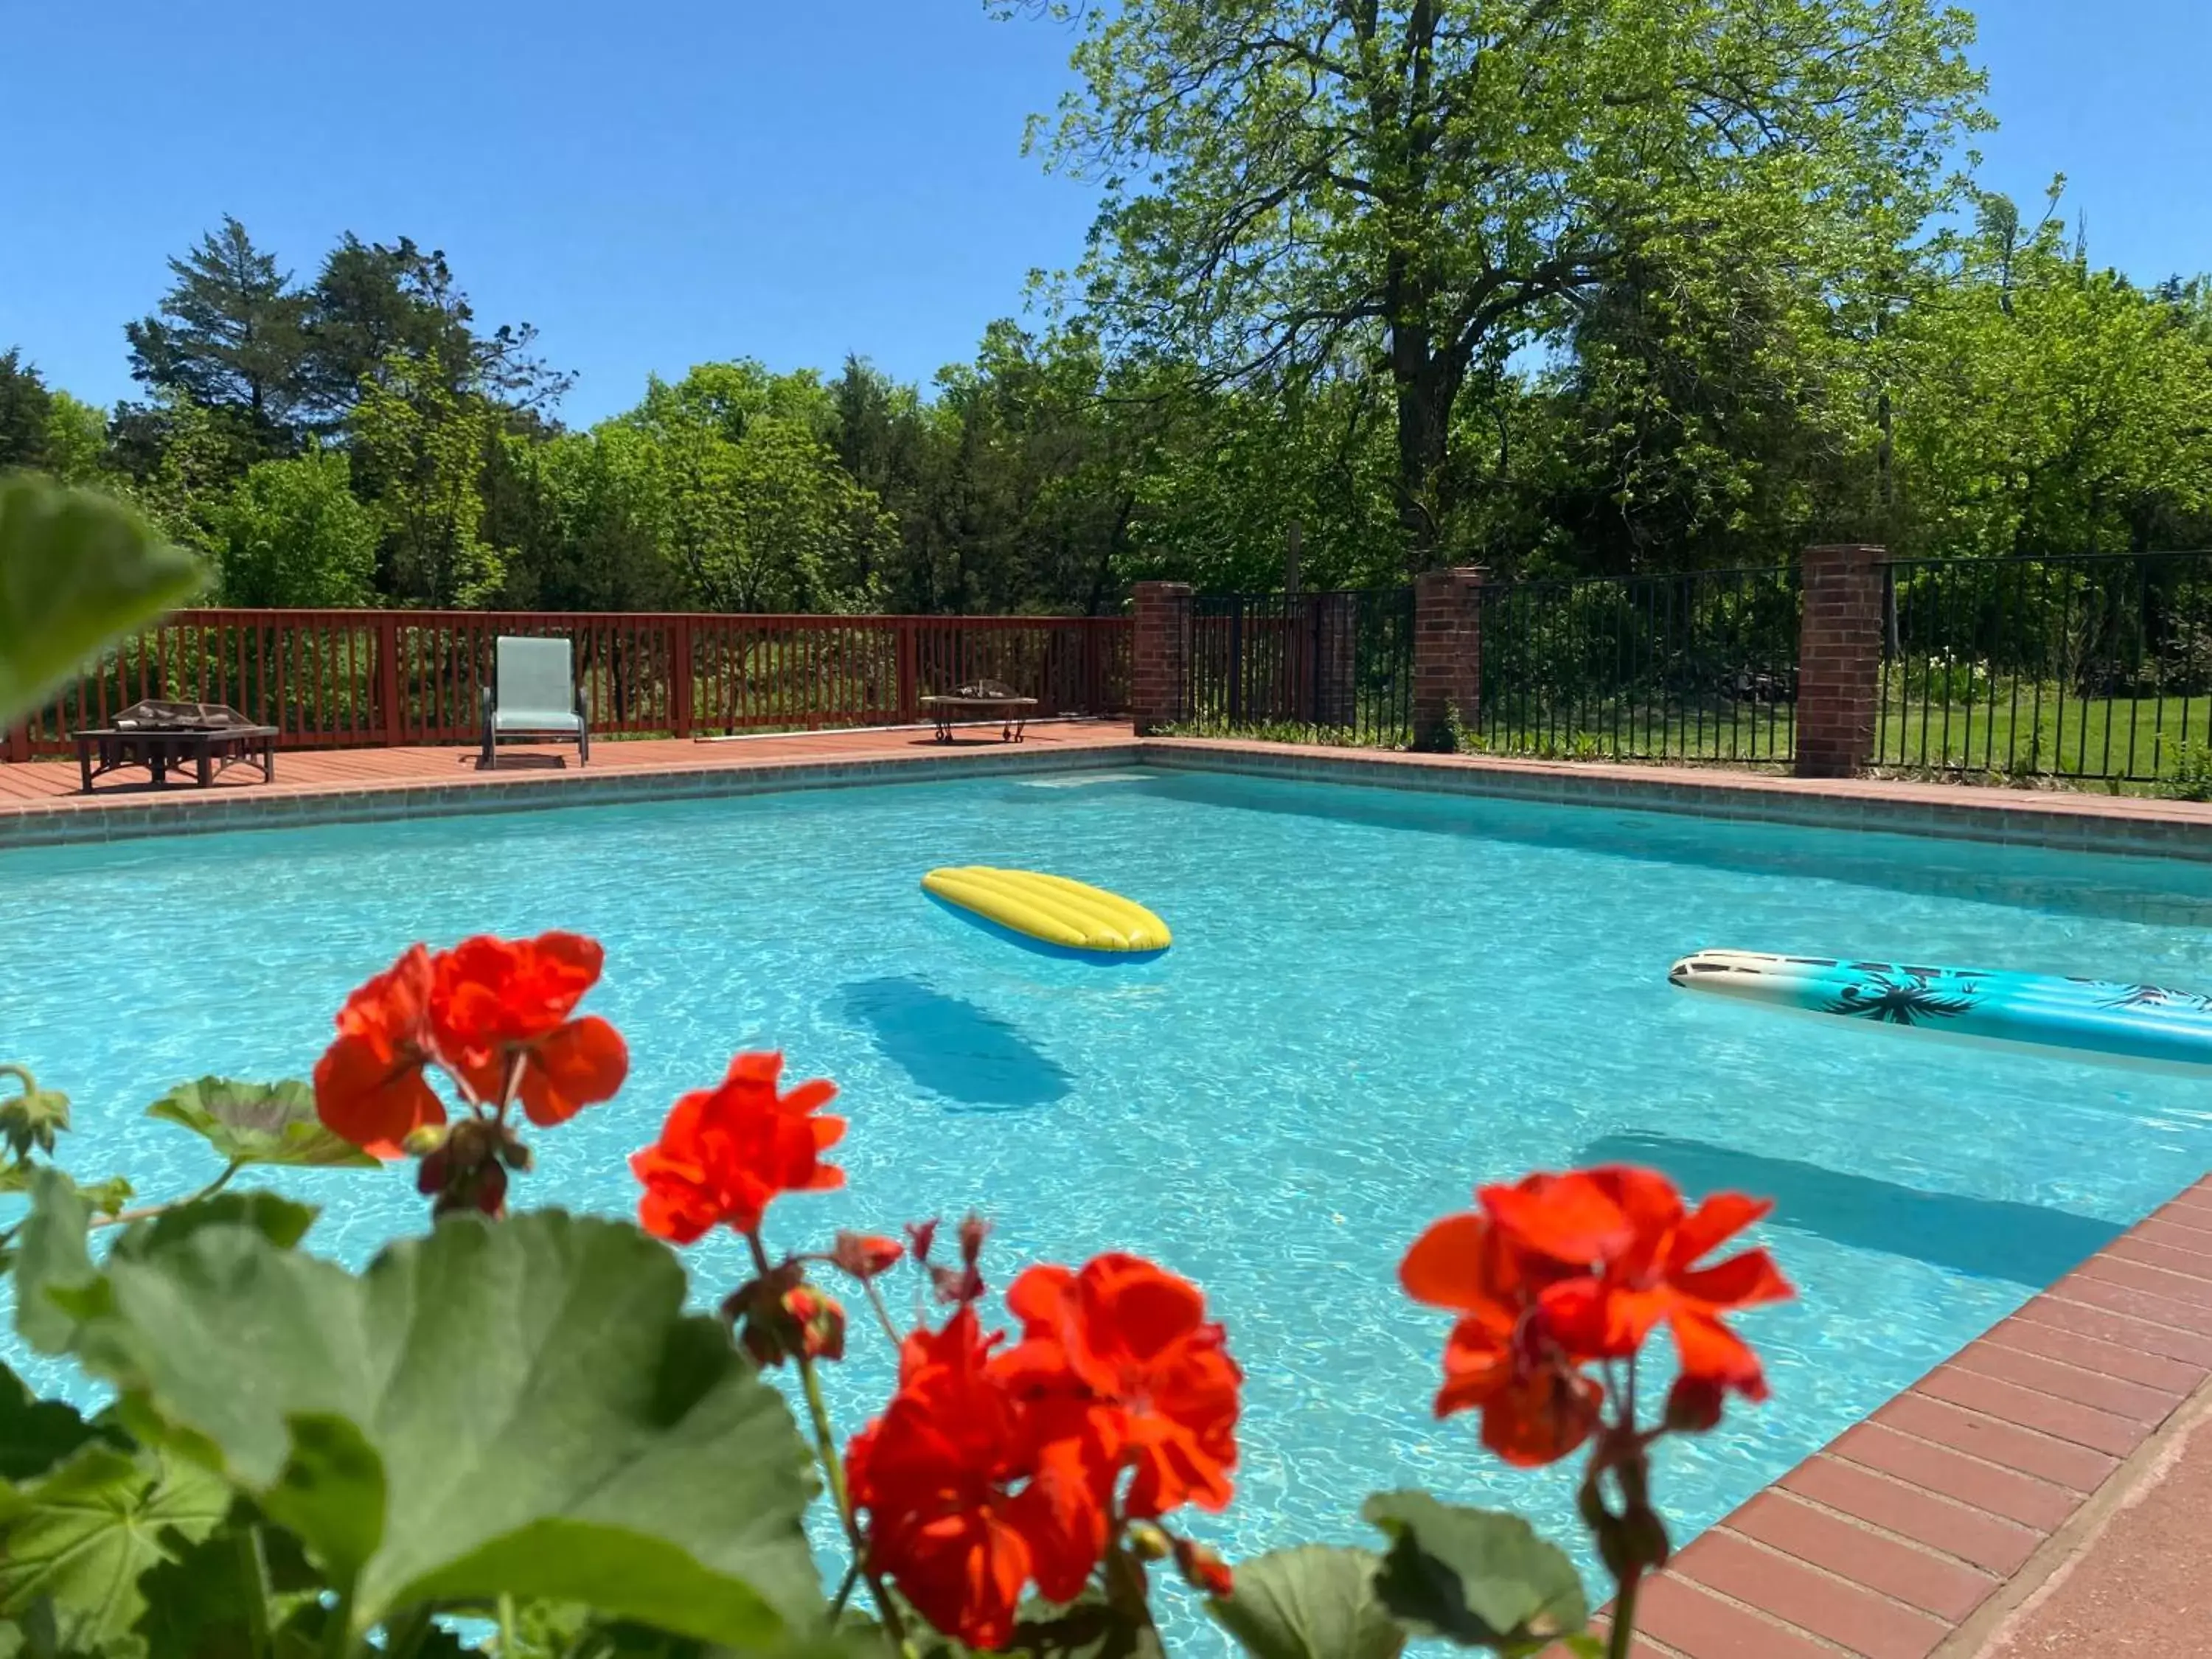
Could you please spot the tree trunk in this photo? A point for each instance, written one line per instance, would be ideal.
(1425, 392)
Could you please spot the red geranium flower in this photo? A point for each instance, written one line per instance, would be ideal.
(725, 1152)
(500, 1014)
(492, 1012)
(1651, 1275)
(935, 1478)
(1129, 1345)
(370, 1086)
(1537, 1405)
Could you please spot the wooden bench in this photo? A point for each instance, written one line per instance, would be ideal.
(993, 698)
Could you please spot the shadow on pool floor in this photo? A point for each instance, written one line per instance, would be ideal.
(954, 1048)
(1987, 1237)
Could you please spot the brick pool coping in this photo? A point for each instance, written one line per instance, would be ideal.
(2124, 825)
(1930, 1527)
(1917, 1531)
(39, 804)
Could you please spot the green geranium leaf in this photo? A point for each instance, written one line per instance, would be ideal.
(1473, 1577)
(52, 1261)
(228, 1598)
(279, 1219)
(513, 1409)
(36, 1434)
(82, 1534)
(259, 1123)
(78, 569)
(1311, 1602)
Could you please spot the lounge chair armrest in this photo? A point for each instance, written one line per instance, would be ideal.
(583, 706)
(490, 706)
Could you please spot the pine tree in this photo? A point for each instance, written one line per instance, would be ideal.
(230, 335)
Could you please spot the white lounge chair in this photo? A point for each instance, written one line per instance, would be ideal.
(534, 695)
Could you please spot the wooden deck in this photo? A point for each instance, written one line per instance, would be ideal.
(324, 771)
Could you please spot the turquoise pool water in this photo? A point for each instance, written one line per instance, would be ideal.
(1374, 1001)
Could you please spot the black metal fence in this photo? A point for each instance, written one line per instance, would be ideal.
(2092, 665)
(1329, 667)
(1701, 666)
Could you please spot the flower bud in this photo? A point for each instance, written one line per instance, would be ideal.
(820, 1320)
(430, 1173)
(973, 1230)
(864, 1256)
(920, 1236)
(1202, 1569)
(956, 1286)
(490, 1191)
(1693, 1405)
(1149, 1542)
(424, 1140)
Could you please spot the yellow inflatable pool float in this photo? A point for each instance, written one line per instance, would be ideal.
(1051, 914)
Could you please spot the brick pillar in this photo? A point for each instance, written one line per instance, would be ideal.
(1447, 653)
(1159, 654)
(1838, 660)
(1331, 627)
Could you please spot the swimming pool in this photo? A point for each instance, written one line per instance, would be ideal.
(1376, 999)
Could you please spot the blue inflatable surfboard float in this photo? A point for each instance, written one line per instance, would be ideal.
(1051, 914)
(2097, 1019)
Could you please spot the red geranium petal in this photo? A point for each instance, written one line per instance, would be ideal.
(1542, 1418)
(1570, 1218)
(375, 1100)
(1711, 1351)
(580, 1065)
(1445, 1269)
(1741, 1281)
(1719, 1218)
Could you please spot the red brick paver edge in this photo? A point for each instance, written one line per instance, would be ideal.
(2118, 825)
(1884, 1543)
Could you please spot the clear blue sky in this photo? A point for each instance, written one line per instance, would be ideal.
(666, 182)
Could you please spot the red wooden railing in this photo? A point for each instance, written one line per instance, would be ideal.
(337, 678)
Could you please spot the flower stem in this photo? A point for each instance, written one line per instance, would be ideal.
(1624, 1616)
(883, 1313)
(147, 1211)
(506, 1626)
(833, 1471)
(1128, 1591)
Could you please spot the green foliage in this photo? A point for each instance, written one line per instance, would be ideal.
(1314, 1601)
(32, 1116)
(419, 446)
(35, 1434)
(609, 1447)
(26, 412)
(292, 534)
(1304, 191)
(2192, 773)
(80, 1536)
(2050, 407)
(77, 569)
(1475, 1578)
(257, 1124)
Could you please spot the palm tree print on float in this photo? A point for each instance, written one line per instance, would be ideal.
(2155, 996)
(1903, 997)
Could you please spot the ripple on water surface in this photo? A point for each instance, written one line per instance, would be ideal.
(1374, 1001)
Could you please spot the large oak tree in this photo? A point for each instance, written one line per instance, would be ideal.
(1301, 189)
